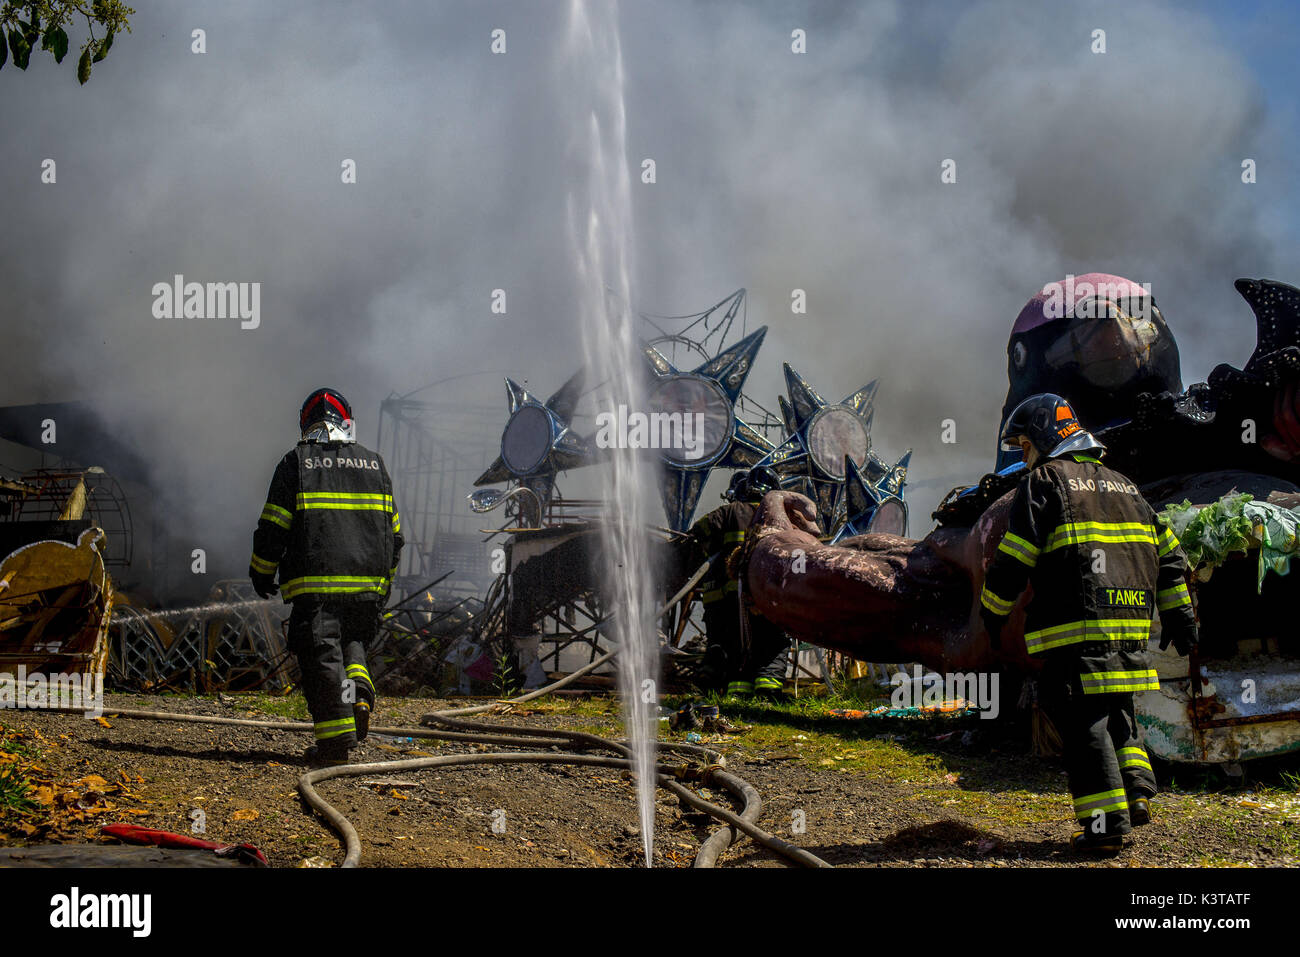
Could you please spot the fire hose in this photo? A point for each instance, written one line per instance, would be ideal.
(453, 729)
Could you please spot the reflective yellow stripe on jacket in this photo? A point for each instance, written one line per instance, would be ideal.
(348, 501)
(277, 515)
(1076, 632)
(1019, 548)
(1168, 598)
(333, 585)
(1116, 682)
(995, 602)
(259, 564)
(1076, 533)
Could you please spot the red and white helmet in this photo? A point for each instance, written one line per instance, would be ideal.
(326, 417)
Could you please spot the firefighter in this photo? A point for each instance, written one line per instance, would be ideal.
(745, 653)
(331, 532)
(1101, 567)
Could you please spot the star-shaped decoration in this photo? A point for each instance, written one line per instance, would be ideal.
(726, 441)
(873, 497)
(821, 437)
(537, 441)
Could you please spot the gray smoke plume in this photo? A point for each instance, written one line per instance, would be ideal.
(774, 170)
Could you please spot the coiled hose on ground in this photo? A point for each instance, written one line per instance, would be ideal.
(452, 728)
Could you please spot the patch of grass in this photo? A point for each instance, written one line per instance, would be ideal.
(14, 791)
(14, 785)
(882, 758)
(13, 742)
(292, 707)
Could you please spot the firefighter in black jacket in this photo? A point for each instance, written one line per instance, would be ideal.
(731, 663)
(1101, 566)
(331, 531)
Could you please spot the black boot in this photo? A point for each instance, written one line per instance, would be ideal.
(1139, 811)
(325, 756)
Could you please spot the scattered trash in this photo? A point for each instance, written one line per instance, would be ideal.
(134, 834)
(952, 708)
(1286, 807)
(389, 739)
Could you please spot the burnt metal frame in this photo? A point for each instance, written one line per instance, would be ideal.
(430, 474)
(51, 489)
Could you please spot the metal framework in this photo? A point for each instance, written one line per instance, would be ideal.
(233, 643)
(703, 337)
(50, 492)
(434, 449)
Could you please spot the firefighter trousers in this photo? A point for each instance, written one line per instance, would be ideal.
(731, 666)
(330, 641)
(1107, 766)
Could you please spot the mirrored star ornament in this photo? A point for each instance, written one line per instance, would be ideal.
(719, 439)
(873, 497)
(538, 442)
(821, 437)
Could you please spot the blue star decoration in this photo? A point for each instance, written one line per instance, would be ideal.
(727, 442)
(537, 441)
(873, 497)
(822, 438)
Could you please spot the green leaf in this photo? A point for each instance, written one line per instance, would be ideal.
(4, 51)
(56, 41)
(83, 67)
(20, 48)
(32, 30)
(103, 46)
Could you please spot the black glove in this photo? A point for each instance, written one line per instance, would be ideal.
(993, 625)
(1183, 640)
(264, 585)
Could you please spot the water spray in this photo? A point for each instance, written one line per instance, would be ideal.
(193, 611)
(600, 231)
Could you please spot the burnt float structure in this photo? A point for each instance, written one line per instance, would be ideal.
(885, 597)
(548, 590)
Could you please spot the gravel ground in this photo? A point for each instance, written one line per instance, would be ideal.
(850, 795)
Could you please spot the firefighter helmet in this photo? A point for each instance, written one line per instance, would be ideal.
(739, 487)
(762, 479)
(326, 417)
(1050, 425)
